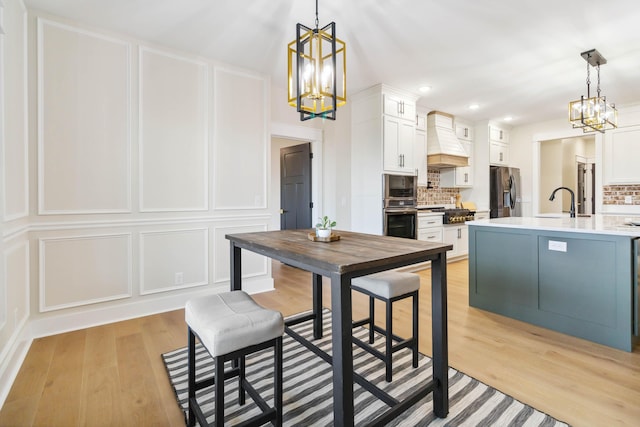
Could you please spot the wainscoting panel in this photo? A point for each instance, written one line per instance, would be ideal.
(173, 259)
(14, 304)
(82, 270)
(253, 265)
(14, 94)
(240, 139)
(173, 132)
(83, 121)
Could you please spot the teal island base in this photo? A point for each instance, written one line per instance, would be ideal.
(577, 283)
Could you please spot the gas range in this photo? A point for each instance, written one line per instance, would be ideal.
(455, 216)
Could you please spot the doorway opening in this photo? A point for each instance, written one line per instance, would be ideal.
(567, 162)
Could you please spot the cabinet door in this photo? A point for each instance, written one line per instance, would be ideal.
(620, 163)
(398, 107)
(498, 153)
(450, 236)
(398, 142)
(390, 141)
(457, 236)
(497, 134)
(464, 132)
(420, 157)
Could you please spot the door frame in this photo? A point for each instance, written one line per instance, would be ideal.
(299, 134)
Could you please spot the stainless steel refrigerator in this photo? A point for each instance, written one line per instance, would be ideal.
(505, 192)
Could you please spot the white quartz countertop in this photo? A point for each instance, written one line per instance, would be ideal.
(595, 224)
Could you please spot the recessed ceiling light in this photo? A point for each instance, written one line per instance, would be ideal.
(474, 106)
(508, 119)
(424, 89)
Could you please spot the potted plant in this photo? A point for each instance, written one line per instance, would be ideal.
(323, 228)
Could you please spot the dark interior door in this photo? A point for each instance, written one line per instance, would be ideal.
(295, 187)
(581, 190)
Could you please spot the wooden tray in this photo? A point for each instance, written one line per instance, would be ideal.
(332, 238)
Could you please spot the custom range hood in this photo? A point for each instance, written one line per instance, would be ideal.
(443, 148)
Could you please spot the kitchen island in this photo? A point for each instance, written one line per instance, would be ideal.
(578, 276)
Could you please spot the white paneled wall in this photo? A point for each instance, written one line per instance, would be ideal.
(84, 116)
(84, 270)
(142, 159)
(173, 132)
(16, 272)
(253, 265)
(240, 140)
(173, 259)
(14, 117)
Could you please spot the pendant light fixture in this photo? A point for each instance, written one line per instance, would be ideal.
(593, 113)
(317, 71)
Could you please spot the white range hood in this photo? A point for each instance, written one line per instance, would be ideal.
(443, 148)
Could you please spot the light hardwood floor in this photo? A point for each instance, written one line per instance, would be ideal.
(113, 374)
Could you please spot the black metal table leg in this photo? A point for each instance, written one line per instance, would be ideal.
(236, 267)
(439, 335)
(317, 306)
(343, 410)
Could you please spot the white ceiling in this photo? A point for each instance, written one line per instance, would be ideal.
(512, 57)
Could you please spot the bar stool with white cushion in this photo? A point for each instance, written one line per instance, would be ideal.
(231, 325)
(388, 286)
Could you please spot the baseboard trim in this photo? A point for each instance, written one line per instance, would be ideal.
(52, 324)
(11, 360)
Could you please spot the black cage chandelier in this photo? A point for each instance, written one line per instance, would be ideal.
(593, 113)
(317, 71)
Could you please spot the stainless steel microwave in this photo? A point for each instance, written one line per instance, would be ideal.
(400, 190)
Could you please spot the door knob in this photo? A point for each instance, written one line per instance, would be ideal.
(282, 211)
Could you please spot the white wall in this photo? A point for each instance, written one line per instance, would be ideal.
(14, 185)
(140, 161)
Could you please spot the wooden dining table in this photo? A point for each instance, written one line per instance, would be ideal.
(354, 255)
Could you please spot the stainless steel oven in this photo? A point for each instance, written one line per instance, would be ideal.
(401, 222)
(399, 206)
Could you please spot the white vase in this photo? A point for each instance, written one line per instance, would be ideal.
(323, 232)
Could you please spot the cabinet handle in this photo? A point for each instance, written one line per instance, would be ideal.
(459, 233)
(500, 134)
(466, 177)
(500, 156)
(466, 132)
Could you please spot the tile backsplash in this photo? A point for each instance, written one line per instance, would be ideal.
(436, 195)
(615, 194)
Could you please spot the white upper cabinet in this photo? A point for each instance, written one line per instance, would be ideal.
(399, 106)
(620, 164)
(498, 134)
(461, 176)
(420, 156)
(464, 132)
(498, 146)
(399, 141)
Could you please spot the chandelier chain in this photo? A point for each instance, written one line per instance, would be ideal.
(317, 21)
(598, 68)
(588, 80)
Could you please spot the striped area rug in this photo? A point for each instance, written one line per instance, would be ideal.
(308, 388)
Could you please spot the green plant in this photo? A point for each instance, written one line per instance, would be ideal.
(325, 223)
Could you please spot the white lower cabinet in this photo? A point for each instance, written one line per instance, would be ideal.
(458, 236)
(430, 227)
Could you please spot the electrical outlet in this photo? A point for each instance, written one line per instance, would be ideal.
(178, 279)
(628, 200)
